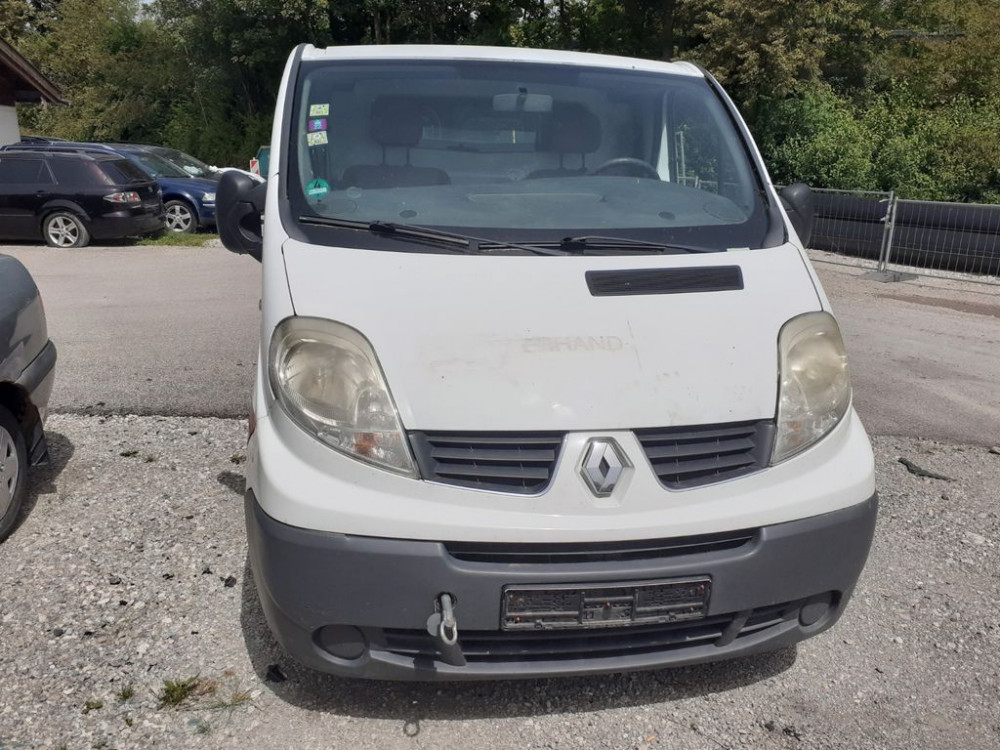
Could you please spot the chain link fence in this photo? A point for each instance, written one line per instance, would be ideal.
(896, 236)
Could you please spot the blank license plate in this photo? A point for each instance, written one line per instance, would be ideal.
(572, 606)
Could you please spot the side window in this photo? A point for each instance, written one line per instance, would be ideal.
(697, 151)
(76, 173)
(18, 171)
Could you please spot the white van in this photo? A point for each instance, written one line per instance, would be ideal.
(547, 384)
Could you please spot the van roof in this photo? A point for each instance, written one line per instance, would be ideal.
(498, 54)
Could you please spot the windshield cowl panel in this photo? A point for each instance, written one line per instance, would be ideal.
(519, 152)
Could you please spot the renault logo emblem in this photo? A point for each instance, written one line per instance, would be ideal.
(603, 466)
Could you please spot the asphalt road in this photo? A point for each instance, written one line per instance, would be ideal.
(173, 331)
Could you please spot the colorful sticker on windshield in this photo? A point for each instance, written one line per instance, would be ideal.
(317, 139)
(315, 125)
(319, 110)
(318, 188)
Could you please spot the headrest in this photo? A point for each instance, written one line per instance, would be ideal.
(570, 129)
(396, 122)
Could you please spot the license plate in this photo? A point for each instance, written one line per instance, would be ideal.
(572, 606)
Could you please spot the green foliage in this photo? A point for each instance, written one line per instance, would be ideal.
(815, 138)
(175, 692)
(887, 94)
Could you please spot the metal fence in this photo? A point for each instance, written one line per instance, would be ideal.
(852, 222)
(924, 237)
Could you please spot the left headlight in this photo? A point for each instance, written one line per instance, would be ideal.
(326, 376)
(208, 198)
(814, 391)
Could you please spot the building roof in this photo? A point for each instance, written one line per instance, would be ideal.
(26, 82)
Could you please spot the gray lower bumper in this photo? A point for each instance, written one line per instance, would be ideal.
(37, 380)
(369, 599)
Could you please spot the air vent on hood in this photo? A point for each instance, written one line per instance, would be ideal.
(664, 281)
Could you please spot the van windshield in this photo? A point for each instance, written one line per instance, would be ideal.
(520, 152)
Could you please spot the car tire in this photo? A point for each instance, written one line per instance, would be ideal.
(64, 229)
(13, 471)
(180, 217)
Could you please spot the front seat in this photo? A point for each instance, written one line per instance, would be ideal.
(570, 129)
(395, 123)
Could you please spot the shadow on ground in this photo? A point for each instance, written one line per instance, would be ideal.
(42, 479)
(412, 703)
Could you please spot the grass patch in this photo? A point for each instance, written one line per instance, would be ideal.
(126, 693)
(92, 705)
(178, 239)
(236, 699)
(175, 692)
(129, 453)
(149, 459)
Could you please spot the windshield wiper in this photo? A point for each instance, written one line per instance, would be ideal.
(427, 235)
(585, 242)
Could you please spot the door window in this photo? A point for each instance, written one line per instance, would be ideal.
(24, 172)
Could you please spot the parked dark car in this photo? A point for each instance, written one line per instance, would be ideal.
(191, 165)
(27, 371)
(66, 199)
(189, 201)
(196, 167)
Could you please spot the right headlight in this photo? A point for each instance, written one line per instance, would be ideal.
(328, 380)
(814, 389)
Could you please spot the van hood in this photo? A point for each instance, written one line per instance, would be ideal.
(477, 342)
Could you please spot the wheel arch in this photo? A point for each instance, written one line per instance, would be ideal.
(61, 204)
(18, 402)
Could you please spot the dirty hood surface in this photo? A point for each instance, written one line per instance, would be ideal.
(474, 342)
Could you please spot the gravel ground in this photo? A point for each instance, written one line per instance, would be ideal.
(130, 571)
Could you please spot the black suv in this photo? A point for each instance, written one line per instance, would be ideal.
(68, 198)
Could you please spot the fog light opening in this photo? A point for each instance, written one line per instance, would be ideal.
(816, 609)
(342, 641)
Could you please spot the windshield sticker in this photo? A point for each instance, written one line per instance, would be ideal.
(317, 139)
(319, 110)
(318, 188)
(316, 125)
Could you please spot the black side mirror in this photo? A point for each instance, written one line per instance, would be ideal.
(239, 206)
(798, 202)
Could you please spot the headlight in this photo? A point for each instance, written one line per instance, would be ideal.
(327, 378)
(814, 391)
(208, 198)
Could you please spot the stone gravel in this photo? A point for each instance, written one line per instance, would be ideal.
(129, 571)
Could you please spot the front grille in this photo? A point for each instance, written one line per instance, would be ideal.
(487, 646)
(685, 457)
(556, 645)
(498, 461)
(585, 552)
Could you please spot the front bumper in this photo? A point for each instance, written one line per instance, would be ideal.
(206, 215)
(37, 380)
(369, 600)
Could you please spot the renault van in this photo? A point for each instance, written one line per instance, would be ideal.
(547, 384)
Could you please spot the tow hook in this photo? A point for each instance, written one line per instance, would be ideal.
(444, 627)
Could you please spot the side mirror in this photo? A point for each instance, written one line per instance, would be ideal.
(798, 202)
(239, 205)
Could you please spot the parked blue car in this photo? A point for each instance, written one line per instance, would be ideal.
(189, 201)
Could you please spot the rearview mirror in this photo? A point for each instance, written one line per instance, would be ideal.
(798, 202)
(239, 206)
(522, 102)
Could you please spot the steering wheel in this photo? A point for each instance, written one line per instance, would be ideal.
(630, 166)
